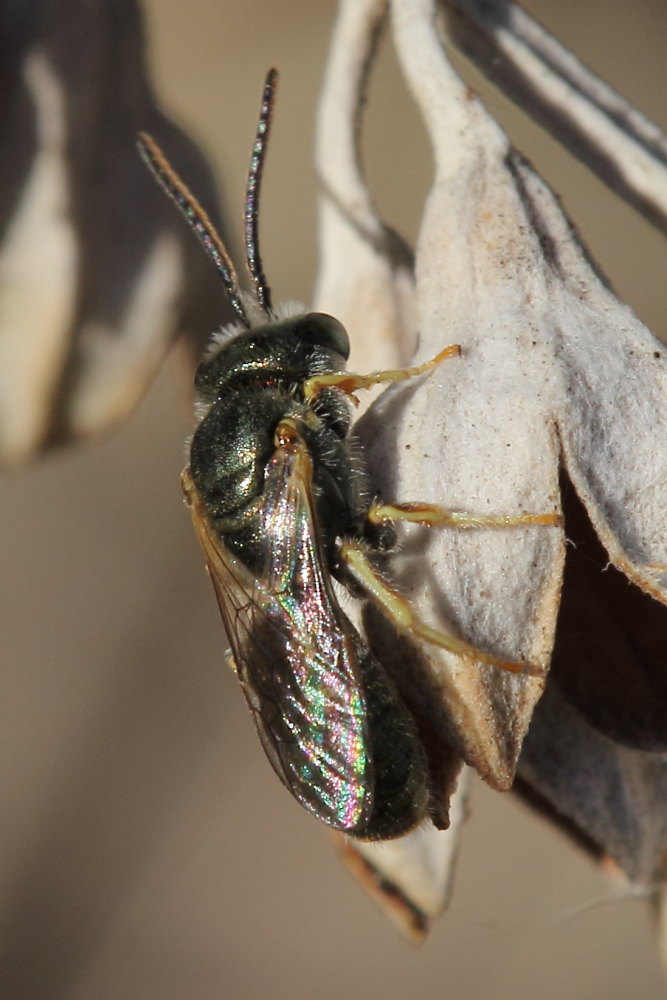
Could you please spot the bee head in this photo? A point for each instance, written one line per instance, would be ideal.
(286, 352)
(322, 330)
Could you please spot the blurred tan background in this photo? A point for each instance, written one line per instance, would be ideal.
(146, 851)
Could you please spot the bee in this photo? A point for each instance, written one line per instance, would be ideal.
(282, 509)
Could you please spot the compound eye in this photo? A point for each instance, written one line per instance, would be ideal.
(325, 331)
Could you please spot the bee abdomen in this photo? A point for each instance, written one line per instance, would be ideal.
(399, 761)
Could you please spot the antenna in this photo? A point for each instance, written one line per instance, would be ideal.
(199, 221)
(253, 190)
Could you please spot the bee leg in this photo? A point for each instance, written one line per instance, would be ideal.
(350, 383)
(400, 612)
(431, 514)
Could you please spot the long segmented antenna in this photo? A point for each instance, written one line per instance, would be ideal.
(253, 189)
(196, 218)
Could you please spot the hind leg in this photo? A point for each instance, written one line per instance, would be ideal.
(399, 610)
(395, 606)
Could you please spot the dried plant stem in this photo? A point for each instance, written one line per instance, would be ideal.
(595, 123)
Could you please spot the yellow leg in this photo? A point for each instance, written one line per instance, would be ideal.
(431, 514)
(399, 611)
(350, 383)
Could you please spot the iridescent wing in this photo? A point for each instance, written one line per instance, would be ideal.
(296, 654)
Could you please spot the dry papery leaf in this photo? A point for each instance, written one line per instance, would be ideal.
(97, 274)
(558, 381)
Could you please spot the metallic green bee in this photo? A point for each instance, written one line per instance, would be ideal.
(282, 508)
